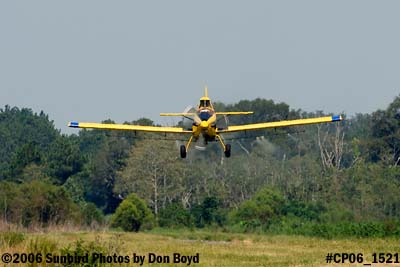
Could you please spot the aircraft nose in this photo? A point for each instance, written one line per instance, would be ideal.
(204, 124)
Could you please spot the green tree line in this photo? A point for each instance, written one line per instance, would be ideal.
(330, 179)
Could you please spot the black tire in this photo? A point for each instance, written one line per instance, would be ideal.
(227, 150)
(183, 151)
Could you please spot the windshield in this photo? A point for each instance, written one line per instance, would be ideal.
(204, 103)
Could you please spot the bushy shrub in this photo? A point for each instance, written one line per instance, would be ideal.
(308, 211)
(132, 214)
(175, 215)
(291, 225)
(36, 203)
(209, 212)
(298, 226)
(126, 217)
(336, 213)
(91, 214)
(259, 211)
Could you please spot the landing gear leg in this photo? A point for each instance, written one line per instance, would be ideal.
(226, 148)
(184, 148)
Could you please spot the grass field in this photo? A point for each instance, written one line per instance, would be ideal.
(212, 248)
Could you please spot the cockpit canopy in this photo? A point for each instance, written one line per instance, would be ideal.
(204, 103)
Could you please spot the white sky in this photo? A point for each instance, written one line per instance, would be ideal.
(94, 60)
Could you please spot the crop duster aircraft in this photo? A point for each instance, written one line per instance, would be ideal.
(204, 125)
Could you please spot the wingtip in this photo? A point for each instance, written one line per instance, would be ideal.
(337, 118)
(73, 124)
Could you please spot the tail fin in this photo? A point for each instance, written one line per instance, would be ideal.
(205, 91)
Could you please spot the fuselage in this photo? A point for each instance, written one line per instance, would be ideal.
(205, 123)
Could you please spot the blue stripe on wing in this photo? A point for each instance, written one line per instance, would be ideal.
(74, 124)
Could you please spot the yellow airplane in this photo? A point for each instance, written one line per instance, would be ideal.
(204, 124)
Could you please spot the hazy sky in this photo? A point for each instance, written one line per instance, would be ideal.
(94, 60)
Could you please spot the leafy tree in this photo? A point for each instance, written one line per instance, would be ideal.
(385, 144)
(63, 158)
(91, 214)
(26, 154)
(21, 127)
(209, 212)
(11, 202)
(91, 141)
(102, 170)
(154, 172)
(75, 186)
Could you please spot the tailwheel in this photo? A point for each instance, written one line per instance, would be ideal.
(183, 151)
(227, 150)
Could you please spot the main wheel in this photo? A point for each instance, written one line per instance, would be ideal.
(227, 150)
(183, 151)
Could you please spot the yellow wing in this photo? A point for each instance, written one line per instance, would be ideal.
(235, 113)
(276, 124)
(218, 113)
(177, 114)
(127, 127)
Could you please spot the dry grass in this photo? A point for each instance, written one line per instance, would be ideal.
(221, 249)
